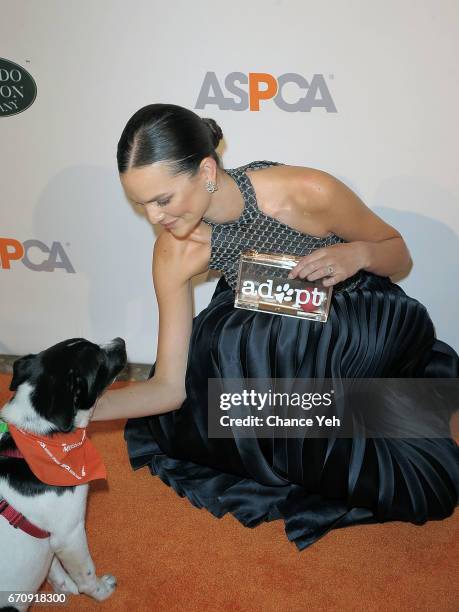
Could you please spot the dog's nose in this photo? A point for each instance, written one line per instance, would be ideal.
(119, 346)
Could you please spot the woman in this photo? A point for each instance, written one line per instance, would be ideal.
(168, 165)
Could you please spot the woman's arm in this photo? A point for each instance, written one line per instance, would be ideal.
(386, 257)
(380, 246)
(384, 250)
(174, 264)
(138, 399)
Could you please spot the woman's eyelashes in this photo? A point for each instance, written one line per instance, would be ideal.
(158, 203)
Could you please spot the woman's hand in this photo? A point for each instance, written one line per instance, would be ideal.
(334, 263)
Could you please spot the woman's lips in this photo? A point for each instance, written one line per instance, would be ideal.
(169, 225)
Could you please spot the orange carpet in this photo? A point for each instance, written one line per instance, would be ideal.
(167, 555)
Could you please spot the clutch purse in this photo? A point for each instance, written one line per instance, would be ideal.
(262, 284)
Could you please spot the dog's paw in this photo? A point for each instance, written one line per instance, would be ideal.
(105, 587)
(109, 580)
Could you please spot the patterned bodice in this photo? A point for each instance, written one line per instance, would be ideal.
(255, 230)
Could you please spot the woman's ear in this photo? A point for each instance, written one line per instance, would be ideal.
(22, 369)
(209, 166)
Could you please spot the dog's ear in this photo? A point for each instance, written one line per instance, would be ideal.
(22, 369)
(77, 387)
(67, 398)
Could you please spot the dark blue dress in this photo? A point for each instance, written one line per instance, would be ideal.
(314, 485)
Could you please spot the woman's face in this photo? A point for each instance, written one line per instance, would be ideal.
(176, 202)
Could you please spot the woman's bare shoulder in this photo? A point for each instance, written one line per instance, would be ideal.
(292, 184)
(187, 256)
(292, 194)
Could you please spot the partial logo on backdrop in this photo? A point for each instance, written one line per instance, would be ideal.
(291, 92)
(18, 89)
(34, 254)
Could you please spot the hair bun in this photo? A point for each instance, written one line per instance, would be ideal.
(215, 130)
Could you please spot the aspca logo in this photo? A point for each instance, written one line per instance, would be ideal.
(18, 89)
(247, 91)
(284, 294)
(34, 254)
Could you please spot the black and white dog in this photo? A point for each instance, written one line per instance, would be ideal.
(55, 391)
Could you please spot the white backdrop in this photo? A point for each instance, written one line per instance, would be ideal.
(389, 68)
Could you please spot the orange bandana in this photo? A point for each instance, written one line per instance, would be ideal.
(63, 459)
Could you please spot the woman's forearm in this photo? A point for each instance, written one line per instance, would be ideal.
(387, 257)
(142, 398)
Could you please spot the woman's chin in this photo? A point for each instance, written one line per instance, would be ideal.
(172, 227)
(179, 231)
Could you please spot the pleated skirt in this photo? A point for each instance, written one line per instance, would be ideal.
(312, 484)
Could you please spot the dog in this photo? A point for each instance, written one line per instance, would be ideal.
(55, 395)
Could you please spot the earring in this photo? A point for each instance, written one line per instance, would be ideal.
(211, 187)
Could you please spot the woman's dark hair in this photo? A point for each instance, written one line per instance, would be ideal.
(168, 133)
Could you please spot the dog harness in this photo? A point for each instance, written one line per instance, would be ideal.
(15, 518)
